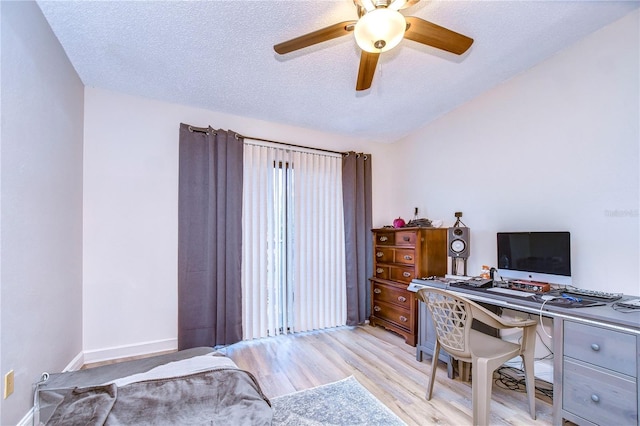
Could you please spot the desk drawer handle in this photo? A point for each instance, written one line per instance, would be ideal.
(595, 347)
(403, 318)
(379, 254)
(383, 239)
(377, 308)
(379, 270)
(406, 238)
(595, 398)
(377, 291)
(407, 257)
(402, 298)
(406, 274)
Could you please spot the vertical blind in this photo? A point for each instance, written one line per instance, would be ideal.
(293, 263)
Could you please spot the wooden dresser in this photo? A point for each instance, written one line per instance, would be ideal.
(399, 256)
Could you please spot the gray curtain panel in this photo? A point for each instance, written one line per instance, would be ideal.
(209, 238)
(356, 190)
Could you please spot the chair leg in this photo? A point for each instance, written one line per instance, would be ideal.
(434, 366)
(530, 382)
(464, 368)
(481, 384)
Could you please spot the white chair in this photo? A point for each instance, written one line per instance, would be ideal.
(452, 317)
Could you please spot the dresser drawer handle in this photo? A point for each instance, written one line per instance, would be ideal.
(407, 257)
(406, 274)
(595, 398)
(377, 308)
(377, 291)
(595, 347)
(403, 318)
(379, 254)
(406, 238)
(383, 239)
(379, 270)
(402, 298)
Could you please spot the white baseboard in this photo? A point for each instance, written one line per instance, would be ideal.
(125, 351)
(109, 354)
(76, 363)
(27, 420)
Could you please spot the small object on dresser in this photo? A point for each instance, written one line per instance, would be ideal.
(420, 223)
(399, 223)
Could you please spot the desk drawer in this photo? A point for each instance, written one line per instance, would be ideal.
(602, 397)
(606, 348)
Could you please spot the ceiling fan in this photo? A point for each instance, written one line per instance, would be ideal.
(381, 27)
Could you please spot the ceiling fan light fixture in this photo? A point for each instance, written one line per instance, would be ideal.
(380, 30)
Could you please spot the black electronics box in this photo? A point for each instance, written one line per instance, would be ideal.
(479, 282)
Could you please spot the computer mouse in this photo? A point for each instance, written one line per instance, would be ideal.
(548, 297)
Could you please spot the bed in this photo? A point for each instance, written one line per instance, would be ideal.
(194, 386)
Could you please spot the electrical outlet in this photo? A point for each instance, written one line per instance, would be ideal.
(8, 384)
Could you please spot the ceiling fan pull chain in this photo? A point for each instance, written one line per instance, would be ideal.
(380, 78)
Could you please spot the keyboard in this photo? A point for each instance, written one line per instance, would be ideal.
(601, 295)
(510, 292)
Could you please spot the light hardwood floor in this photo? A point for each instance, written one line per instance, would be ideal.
(385, 365)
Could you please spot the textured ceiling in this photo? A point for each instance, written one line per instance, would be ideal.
(218, 55)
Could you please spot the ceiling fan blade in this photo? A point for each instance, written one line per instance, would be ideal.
(434, 35)
(368, 62)
(324, 34)
(367, 4)
(401, 4)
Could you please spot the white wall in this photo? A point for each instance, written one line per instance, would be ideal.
(41, 215)
(131, 214)
(555, 148)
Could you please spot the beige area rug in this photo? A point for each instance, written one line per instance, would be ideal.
(345, 402)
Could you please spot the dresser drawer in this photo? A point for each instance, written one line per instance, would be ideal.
(406, 256)
(389, 294)
(406, 238)
(394, 273)
(382, 272)
(384, 254)
(392, 255)
(606, 348)
(385, 238)
(601, 396)
(402, 274)
(398, 315)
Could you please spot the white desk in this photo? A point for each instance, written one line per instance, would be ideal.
(596, 356)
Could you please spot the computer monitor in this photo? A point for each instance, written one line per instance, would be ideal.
(535, 256)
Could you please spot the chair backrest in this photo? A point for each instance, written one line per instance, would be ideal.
(452, 318)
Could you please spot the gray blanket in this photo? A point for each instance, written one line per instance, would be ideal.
(220, 396)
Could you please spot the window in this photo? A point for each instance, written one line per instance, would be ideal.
(293, 242)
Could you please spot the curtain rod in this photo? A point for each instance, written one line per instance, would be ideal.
(293, 145)
(206, 130)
